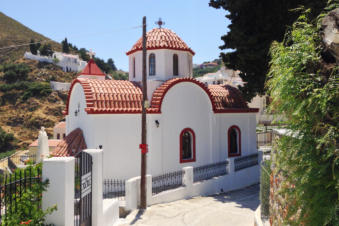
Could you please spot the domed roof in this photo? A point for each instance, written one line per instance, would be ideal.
(161, 38)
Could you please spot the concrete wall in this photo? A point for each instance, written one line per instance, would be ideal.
(60, 86)
(231, 181)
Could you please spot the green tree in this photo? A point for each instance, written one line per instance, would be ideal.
(46, 50)
(15, 72)
(33, 47)
(65, 46)
(254, 25)
(6, 141)
(303, 86)
(83, 54)
(111, 64)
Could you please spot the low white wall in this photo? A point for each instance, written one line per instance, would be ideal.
(60, 192)
(60, 86)
(231, 181)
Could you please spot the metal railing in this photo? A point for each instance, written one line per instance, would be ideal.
(209, 171)
(167, 181)
(12, 188)
(245, 162)
(114, 188)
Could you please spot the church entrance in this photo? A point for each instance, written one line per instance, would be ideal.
(83, 190)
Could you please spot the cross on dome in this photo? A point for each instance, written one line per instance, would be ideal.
(91, 53)
(160, 22)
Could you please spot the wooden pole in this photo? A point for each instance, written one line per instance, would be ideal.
(143, 204)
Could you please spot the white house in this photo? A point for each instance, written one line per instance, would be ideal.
(68, 62)
(222, 76)
(188, 123)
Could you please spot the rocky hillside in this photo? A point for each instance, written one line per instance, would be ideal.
(26, 99)
(14, 33)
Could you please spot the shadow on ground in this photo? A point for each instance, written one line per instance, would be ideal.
(244, 198)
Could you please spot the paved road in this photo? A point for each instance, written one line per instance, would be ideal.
(230, 209)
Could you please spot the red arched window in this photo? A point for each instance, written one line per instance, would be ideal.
(187, 146)
(234, 141)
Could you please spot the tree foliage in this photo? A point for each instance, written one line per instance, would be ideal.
(65, 46)
(15, 72)
(33, 47)
(304, 88)
(46, 50)
(254, 25)
(6, 140)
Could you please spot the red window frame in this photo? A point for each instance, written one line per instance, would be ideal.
(180, 151)
(229, 143)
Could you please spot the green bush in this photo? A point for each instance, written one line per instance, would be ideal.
(304, 89)
(6, 140)
(265, 189)
(15, 72)
(27, 208)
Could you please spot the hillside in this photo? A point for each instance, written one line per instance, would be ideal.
(27, 103)
(14, 33)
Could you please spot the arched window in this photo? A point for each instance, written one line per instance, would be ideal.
(187, 146)
(234, 141)
(175, 64)
(133, 67)
(151, 64)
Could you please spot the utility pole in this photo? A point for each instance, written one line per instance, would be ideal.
(143, 145)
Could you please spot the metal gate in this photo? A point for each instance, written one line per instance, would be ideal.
(83, 190)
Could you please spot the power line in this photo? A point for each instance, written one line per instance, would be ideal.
(47, 40)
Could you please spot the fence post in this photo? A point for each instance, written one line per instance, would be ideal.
(97, 180)
(60, 173)
(187, 180)
(132, 187)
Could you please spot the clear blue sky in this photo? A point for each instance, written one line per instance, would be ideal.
(105, 25)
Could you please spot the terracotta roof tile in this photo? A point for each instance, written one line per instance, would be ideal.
(161, 38)
(125, 97)
(226, 96)
(73, 143)
(51, 143)
(91, 69)
(109, 96)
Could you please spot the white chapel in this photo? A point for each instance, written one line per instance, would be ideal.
(188, 123)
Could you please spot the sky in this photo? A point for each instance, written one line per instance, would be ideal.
(111, 27)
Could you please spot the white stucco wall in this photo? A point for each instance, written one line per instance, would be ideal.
(186, 105)
(164, 64)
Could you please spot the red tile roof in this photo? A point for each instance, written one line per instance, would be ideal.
(125, 97)
(60, 125)
(226, 96)
(109, 96)
(161, 38)
(73, 143)
(51, 143)
(92, 69)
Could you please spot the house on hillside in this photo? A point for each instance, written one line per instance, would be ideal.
(68, 62)
(188, 123)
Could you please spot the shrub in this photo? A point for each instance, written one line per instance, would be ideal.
(304, 88)
(15, 72)
(6, 140)
(37, 89)
(26, 209)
